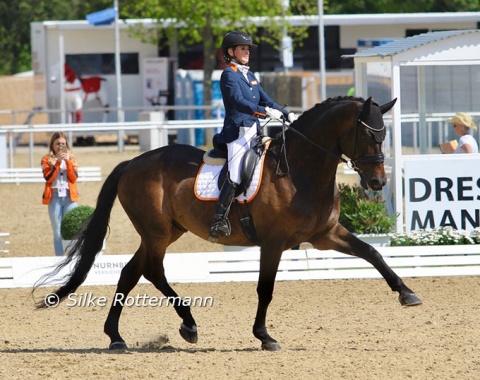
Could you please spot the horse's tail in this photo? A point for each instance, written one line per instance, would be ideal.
(88, 243)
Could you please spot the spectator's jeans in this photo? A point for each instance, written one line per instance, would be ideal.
(57, 208)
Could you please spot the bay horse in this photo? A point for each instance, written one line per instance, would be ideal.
(80, 90)
(297, 202)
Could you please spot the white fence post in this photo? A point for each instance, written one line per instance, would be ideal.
(3, 150)
(152, 138)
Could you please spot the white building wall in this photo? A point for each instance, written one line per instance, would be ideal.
(49, 39)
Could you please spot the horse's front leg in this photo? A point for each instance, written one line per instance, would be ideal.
(269, 262)
(343, 241)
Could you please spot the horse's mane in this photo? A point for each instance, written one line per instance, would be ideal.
(319, 108)
(307, 117)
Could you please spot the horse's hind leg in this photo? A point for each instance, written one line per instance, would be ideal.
(155, 273)
(129, 277)
(188, 327)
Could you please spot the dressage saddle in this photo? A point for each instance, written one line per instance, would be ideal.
(218, 156)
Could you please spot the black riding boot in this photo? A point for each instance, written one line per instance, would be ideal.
(220, 225)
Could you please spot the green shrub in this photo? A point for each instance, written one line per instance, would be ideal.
(74, 220)
(364, 211)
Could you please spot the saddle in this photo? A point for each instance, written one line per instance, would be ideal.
(217, 156)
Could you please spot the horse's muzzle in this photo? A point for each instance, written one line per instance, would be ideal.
(375, 183)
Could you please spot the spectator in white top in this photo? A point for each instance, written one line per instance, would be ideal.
(462, 124)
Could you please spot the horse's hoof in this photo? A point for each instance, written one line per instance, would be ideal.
(271, 346)
(213, 239)
(118, 346)
(409, 299)
(189, 334)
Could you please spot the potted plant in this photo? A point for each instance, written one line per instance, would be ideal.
(73, 222)
(364, 213)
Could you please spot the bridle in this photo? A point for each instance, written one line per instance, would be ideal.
(376, 158)
(373, 159)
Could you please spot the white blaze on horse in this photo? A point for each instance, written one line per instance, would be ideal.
(82, 90)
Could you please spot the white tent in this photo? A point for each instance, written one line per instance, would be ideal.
(389, 63)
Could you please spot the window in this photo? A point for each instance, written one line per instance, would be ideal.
(102, 64)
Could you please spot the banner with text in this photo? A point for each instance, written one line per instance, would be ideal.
(442, 191)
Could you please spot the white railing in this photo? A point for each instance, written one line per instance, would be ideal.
(35, 175)
(4, 242)
(238, 266)
(158, 136)
(161, 129)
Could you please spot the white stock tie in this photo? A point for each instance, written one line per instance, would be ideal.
(244, 70)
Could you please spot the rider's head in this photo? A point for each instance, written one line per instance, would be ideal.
(231, 41)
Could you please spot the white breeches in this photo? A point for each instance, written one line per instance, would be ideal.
(236, 150)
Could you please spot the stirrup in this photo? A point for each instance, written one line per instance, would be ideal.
(220, 228)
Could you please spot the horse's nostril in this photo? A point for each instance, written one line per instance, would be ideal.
(377, 183)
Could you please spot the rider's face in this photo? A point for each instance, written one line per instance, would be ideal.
(241, 53)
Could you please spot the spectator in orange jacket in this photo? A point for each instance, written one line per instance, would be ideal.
(60, 171)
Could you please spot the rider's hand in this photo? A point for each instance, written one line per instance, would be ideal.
(292, 117)
(273, 113)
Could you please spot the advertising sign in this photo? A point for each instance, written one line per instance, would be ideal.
(442, 191)
(155, 74)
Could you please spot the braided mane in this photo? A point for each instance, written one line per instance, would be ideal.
(319, 108)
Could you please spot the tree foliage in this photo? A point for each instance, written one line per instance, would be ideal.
(204, 20)
(194, 21)
(404, 6)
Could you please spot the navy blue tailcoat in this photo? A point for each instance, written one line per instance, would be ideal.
(244, 101)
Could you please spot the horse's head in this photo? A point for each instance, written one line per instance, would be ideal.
(342, 126)
(365, 142)
(70, 75)
(72, 88)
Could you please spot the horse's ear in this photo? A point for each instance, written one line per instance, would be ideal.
(367, 106)
(387, 106)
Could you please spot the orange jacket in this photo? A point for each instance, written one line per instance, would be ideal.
(50, 172)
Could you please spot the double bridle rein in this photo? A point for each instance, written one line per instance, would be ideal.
(377, 158)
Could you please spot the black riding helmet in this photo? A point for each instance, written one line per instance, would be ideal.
(233, 39)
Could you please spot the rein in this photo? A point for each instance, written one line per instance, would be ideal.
(351, 163)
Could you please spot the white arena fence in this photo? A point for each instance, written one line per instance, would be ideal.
(152, 134)
(238, 266)
(35, 175)
(4, 242)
